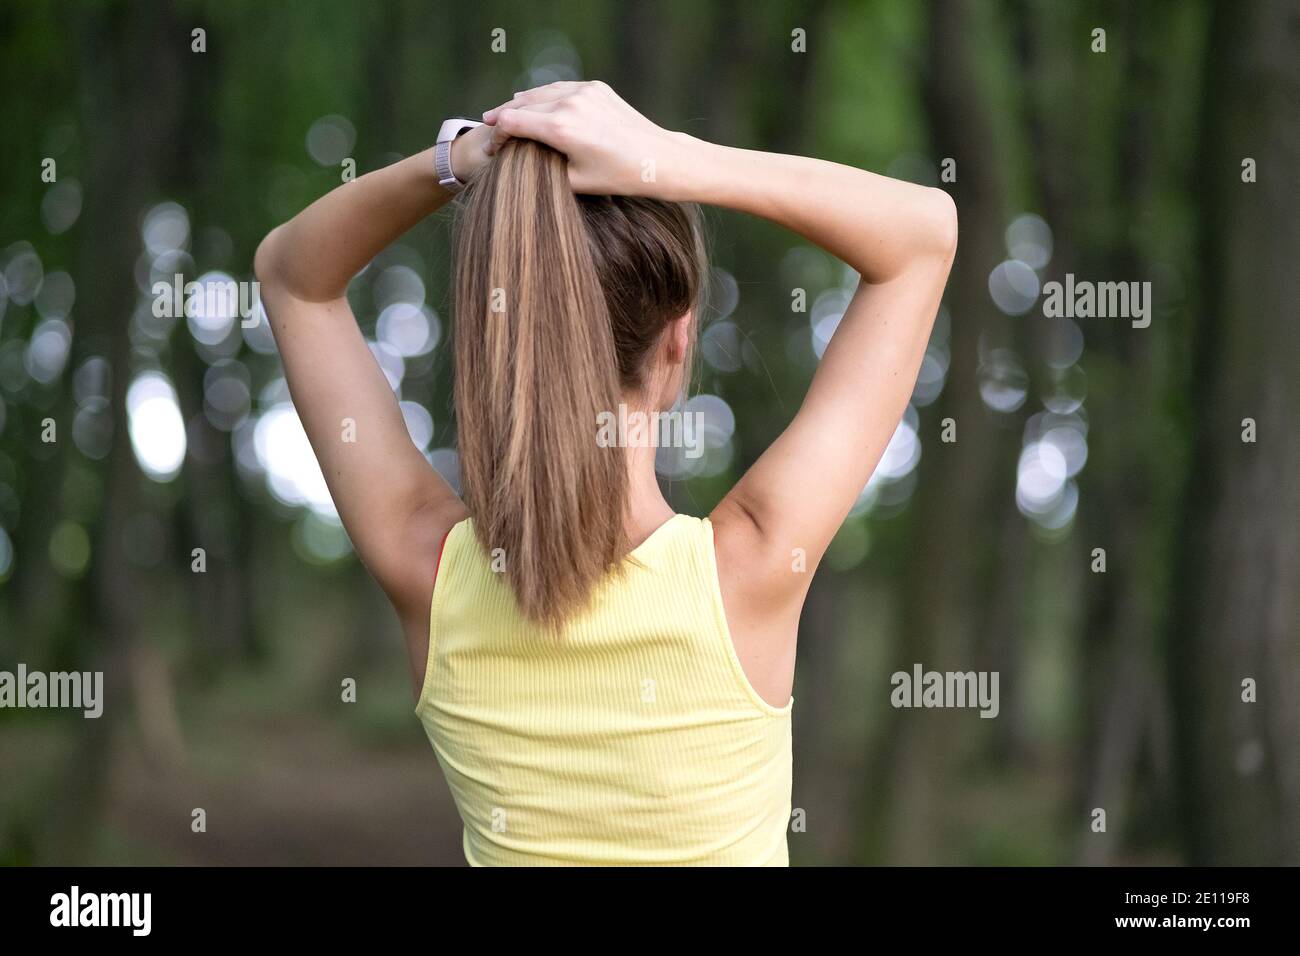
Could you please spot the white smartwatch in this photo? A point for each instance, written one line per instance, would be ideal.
(451, 129)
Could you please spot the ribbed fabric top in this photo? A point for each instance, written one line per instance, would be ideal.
(635, 738)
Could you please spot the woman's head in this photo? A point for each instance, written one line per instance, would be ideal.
(566, 307)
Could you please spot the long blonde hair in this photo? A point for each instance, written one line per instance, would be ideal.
(559, 300)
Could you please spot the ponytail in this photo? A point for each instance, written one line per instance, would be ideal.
(535, 364)
(559, 300)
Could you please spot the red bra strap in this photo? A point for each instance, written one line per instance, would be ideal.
(442, 547)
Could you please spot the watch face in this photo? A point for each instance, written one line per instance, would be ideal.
(450, 129)
(454, 127)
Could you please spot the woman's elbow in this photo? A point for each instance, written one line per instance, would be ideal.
(942, 222)
(266, 259)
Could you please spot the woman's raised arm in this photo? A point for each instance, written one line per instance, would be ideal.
(394, 506)
(901, 239)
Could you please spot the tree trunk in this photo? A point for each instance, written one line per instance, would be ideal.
(1238, 763)
(133, 67)
(956, 532)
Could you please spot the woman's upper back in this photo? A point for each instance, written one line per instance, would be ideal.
(633, 737)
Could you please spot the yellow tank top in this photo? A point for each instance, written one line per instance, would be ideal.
(634, 739)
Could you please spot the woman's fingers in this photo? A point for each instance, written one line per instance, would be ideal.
(533, 97)
(527, 122)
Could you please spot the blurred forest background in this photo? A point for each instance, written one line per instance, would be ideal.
(1120, 689)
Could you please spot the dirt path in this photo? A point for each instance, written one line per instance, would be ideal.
(282, 792)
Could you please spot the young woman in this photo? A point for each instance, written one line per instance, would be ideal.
(603, 681)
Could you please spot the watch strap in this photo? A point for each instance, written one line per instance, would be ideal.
(451, 129)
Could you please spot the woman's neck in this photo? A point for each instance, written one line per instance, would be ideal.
(647, 508)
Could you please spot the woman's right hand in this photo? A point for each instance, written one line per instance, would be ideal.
(612, 149)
